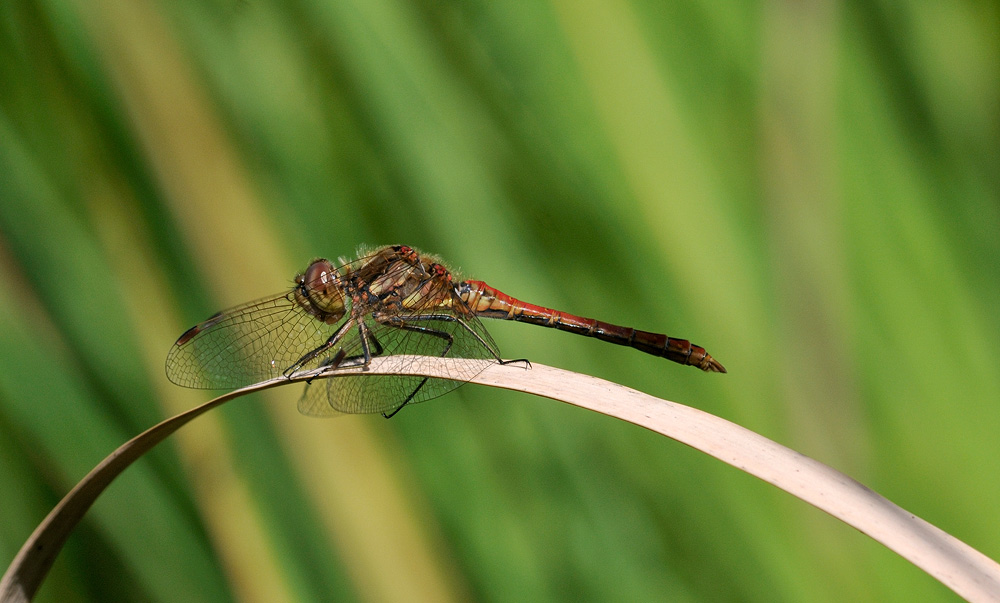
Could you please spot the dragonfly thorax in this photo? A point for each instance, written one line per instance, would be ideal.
(319, 291)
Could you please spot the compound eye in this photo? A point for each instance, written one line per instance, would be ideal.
(319, 277)
(318, 292)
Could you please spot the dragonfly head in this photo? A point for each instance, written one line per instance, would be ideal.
(318, 291)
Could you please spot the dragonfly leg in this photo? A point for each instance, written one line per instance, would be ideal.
(525, 361)
(370, 346)
(448, 317)
(400, 407)
(399, 324)
(451, 318)
(310, 356)
(334, 362)
(342, 360)
(378, 346)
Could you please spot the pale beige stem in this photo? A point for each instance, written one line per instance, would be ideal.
(957, 565)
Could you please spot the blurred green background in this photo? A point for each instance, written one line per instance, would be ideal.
(810, 190)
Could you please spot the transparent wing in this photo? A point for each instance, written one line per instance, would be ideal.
(425, 334)
(254, 342)
(247, 344)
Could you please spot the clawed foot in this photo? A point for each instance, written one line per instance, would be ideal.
(524, 361)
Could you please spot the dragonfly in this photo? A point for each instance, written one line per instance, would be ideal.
(394, 303)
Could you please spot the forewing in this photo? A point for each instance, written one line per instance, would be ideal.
(247, 344)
